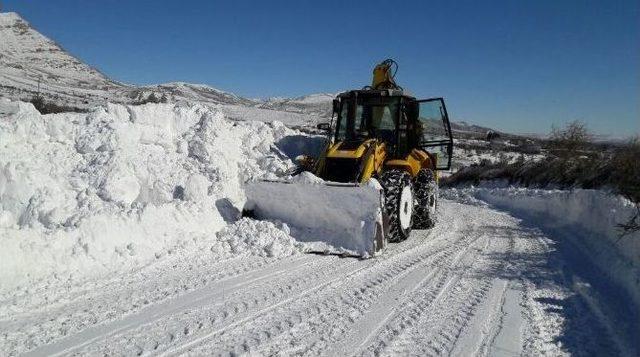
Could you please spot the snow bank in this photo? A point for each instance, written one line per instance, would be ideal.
(590, 216)
(83, 194)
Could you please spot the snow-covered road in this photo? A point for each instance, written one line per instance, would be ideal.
(483, 282)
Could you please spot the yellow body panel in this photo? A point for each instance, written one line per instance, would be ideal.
(416, 160)
(377, 162)
(335, 152)
(373, 163)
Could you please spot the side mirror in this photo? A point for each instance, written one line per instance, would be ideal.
(324, 126)
(336, 105)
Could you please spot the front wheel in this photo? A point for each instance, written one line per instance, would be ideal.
(426, 200)
(399, 203)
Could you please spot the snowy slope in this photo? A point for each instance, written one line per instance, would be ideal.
(28, 58)
(315, 104)
(31, 63)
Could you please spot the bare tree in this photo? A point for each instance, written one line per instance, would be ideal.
(626, 161)
(571, 139)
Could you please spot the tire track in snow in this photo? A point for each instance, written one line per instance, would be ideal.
(59, 316)
(476, 337)
(327, 315)
(389, 305)
(423, 296)
(75, 321)
(433, 324)
(303, 307)
(352, 269)
(194, 321)
(67, 310)
(431, 298)
(195, 299)
(340, 315)
(184, 325)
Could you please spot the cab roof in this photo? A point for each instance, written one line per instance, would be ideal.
(376, 93)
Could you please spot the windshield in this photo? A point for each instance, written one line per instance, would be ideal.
(374, 117)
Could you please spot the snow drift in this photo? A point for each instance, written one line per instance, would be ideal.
(588, 217)
(83, 194)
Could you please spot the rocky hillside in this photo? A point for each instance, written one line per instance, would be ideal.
(33, 65)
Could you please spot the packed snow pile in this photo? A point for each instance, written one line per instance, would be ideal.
(262, 238)
(588, 218)
(82, 194)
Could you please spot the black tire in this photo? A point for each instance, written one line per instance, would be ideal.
(426, 199)
(399, 208)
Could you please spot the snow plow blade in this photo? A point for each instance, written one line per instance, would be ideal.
(345, 217)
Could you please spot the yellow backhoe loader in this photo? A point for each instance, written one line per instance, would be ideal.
(377, 177)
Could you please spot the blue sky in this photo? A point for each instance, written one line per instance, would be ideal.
(517, 65)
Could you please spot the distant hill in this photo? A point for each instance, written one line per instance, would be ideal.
(32, 64)
(318, 104)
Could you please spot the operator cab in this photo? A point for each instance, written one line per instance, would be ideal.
(396, 118)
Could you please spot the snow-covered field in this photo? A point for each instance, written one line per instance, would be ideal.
(120, 234)
(484, 283)
(472, 151)
(588, 218)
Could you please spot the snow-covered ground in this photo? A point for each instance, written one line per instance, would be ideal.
(473, 151)
(590, 218)
(483, 282)
(121, 235)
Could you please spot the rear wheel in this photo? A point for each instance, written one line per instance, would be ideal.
(399, 205)
(426, 200)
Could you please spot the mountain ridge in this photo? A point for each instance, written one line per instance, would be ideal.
(33, 65)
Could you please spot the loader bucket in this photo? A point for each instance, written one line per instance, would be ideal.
(346, 217)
